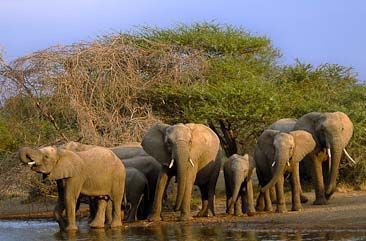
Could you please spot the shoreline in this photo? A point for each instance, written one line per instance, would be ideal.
(345, 211)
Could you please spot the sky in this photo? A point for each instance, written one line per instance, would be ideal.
(313, 31)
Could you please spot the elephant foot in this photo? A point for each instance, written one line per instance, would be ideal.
(154, 218)
(268, 209)
(250, 214)
(238, 214)
(296, 207)
(281, 209)
(320, 201)
(116, 224)
(185, 217)
(71, 228)
(303, 198)
(95, 224)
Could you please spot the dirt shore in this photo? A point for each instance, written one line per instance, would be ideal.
(345, 211)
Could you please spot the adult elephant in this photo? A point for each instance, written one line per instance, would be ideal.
(94, 172)
(332, 132)
(189, 152)
(238, 172)
(277, 153)
(132, 155)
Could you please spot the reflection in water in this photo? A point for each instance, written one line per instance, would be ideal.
(37, 230)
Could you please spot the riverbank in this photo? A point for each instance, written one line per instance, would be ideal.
(345, 211)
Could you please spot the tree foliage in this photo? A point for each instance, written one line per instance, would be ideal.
(111, 90)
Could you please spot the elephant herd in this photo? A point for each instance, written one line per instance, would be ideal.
(134, 177)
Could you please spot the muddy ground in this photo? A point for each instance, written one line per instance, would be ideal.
(346, 210)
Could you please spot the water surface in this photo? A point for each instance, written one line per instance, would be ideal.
(48, 230)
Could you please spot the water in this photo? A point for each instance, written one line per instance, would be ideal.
(48, 230)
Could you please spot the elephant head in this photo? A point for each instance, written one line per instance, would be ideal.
(331, 131)
(181, 147)
(242, 168)
(54, 162)
(284, 149)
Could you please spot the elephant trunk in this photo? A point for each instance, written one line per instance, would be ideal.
(181, 156)
(238, 179)
(280, 163)
(29, 156)
(336, 154)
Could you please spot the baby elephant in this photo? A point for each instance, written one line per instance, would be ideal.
(137, 192)
(238, 172)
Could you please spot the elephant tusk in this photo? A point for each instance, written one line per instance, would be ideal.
(171, 163)
(329, 158)
(190, 160)
(288, 163)
(274, 163)
(31, 163)
(349, 157)
(329, 154)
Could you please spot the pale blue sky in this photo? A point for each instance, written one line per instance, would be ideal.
(315, 31)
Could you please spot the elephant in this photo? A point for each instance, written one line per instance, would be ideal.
(151, 169)
(129, 150)
(276, 154)
(137, 191)
(238, 172)
(189, 152)
(132, 155)
(94, 172)
(332, 132)
(124, 151)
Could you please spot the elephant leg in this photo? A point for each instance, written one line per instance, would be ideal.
(318, 182)
(109, 213)
(268, 201)
(212, 188)
(159, 192)
(249, 198)
(117, 196)
(272, 192)
(296, 187)
(98, 221)
(185, 214)
(71, 196)
(260, 204)
(93, 208)
(60, 205)
(204, 198)
(132, 214)
(281, 204)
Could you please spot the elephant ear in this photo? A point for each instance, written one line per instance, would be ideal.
(304, 144)
(68, 164)
(265, 143)
(153, 143)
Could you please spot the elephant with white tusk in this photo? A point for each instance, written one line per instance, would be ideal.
(95, 172)
(277, 153)
(332, 132)
(238, 172)
(189, 152)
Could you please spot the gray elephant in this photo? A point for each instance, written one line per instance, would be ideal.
(189, 152)
(332, 132)
(151, 169)
(238, 172)
(276, 154)
(95, 172)
(129, 150)
(137, 192)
